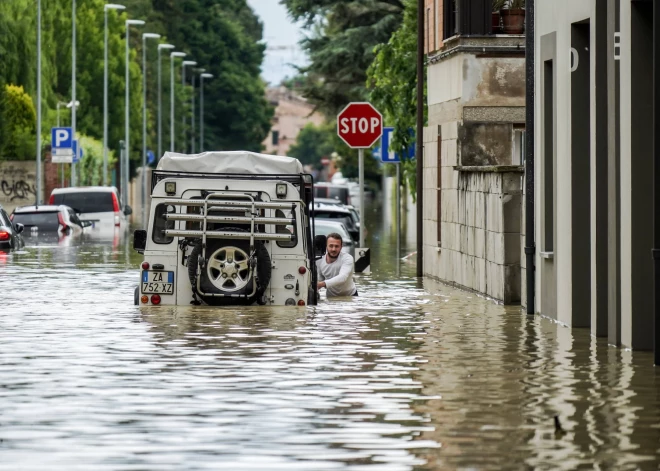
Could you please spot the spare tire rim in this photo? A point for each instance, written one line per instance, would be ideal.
(228, 269)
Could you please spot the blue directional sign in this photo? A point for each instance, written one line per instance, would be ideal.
(151, 157)
(387, 156)
(77, 152)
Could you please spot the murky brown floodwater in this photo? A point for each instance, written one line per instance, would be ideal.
(408, 376)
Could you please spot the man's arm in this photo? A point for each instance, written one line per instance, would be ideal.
(345, 272)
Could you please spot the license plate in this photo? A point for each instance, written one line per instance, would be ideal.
(158, 282)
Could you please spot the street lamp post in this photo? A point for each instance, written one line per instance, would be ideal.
(160, 101)
(124, 165)
(73, 84)
(38, 102)
(201, 109)
(172, 56)
(183, 113)
(145, 36)
(192, 121)
(109, 6)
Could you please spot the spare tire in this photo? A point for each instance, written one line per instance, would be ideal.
(228, 270)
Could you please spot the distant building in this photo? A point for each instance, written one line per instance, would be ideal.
(292, 113)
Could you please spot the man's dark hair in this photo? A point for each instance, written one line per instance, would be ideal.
(334, 235)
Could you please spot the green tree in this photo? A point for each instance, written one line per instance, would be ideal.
(340, 46)
(392, 82)
(313, 143)
(90, 168)
(17, 124)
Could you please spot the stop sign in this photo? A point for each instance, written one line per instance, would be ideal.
(360, 125)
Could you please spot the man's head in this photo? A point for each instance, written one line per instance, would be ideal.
(335, 243)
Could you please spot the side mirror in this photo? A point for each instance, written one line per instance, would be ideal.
(140, 240)
(128, 211)
(86, 223)
(19, 227)
(320, 244)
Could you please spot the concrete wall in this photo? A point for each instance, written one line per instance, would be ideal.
(18, 184)
(472, 216)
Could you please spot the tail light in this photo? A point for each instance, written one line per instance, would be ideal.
(115, 207)
(155, 299)
(11, 217)
(144, 299)
(52, 199)
(301, 303)
(145, 265)
(4, 235)
(302, 270)
(60, 218)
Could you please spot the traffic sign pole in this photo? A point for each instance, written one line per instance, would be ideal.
(398, 217)
(361, 177)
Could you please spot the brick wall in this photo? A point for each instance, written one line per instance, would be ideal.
(432, 25)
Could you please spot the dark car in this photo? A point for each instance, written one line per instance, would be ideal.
(58, 219)
(10, 233)
(332, 191)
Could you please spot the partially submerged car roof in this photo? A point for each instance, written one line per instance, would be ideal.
(41, 208)
(238, 162)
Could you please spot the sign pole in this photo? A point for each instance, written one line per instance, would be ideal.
(361, 176)
(398, 215)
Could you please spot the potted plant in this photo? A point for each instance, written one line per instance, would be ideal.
(513, 17)
(496, 22)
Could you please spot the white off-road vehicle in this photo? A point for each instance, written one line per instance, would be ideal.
(229, 228)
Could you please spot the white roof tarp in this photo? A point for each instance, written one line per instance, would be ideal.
(230, 162)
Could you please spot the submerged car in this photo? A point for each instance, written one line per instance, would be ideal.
(51, 219)
(337, 213)
(10, 232)
(98, 204)
(229, 228)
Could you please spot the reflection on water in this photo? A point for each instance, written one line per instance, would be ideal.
(408, 376)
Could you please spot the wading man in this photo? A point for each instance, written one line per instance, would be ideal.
(335, 269)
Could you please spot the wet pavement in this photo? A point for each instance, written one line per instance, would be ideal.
(411, 375)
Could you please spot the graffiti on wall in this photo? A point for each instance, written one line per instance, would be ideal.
(18, 183)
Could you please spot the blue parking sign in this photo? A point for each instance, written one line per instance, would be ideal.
(61, 138)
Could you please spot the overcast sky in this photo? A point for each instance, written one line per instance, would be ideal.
(279, 32)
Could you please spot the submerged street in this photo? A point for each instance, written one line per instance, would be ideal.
(409, 375)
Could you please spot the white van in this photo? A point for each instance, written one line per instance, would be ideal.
(98, 204)
(229, 228)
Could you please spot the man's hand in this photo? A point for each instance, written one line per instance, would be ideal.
(320, 284)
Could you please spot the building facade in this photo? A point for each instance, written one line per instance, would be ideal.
(292, 113)
(473, 150)
(594, 167)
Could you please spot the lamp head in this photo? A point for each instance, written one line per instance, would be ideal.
(177, 54)
(166, 46)
(70, 104)
(150, 36)
(113, 6)
(206, 75)
(134, 22)
(189, 63)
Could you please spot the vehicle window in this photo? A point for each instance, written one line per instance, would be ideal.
(323, 229)
(329, 215)
(320, 192)
(291, 229)
(45, 221)
(161, 224)
(86, 201)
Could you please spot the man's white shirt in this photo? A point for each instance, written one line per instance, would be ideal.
(338, 275)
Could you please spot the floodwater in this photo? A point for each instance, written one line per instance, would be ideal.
(411, 375)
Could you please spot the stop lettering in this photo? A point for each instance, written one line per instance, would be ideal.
(360, 125)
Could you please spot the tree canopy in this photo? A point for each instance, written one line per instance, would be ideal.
(222, 36)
